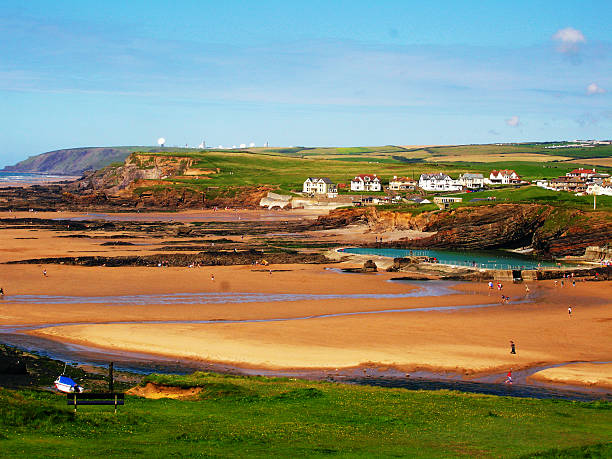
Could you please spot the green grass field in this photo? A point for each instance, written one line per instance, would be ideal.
(263, 417)
(536, 195)
(287, 172)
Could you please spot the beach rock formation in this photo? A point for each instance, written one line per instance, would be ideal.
(369, 267)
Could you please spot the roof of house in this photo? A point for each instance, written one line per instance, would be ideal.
(583, 171)
(472, 176)
(401, 179)
(366, 177)
(323, 179)
(504, 172)
(436, 176)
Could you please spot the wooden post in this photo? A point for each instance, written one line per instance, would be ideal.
(110, 378)
(75, 402)
(115, 403)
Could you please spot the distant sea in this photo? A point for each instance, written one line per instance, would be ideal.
(28, 178)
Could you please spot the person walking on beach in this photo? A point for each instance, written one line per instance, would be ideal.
(527, 289)
(512, 347)
(509, 377)
(1, 291)
(45, 272)
(569, 312)
(212, 277)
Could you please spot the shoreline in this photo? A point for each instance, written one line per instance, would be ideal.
(371, 373)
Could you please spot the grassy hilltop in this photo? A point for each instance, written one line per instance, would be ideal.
(74, 161)
(262, 417)
(284, 170)
(288, 167)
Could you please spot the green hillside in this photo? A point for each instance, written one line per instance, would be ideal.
(75, 161)
(286, 171)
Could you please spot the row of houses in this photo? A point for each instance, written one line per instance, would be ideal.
(428, 182)
(580, 181)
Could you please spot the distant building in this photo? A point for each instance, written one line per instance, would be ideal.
(366, 182)
(584, 173)
(319, 185)
(600, 189)
(472, 181)
(444, 202)
(438, 182)
(566, 183)
(402, 184)
(504, 177)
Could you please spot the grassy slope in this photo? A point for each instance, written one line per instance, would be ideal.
(238, 416)
(531, 194)
(288, 171)
(76, 160)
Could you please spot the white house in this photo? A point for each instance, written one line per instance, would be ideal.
(319, 185)
(401, 183)
(438, 182)
(366, 182)
(504, 177)
(472, 181)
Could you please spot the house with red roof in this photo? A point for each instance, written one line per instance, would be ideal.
(366, 182)
(583, 173)
(504, 177)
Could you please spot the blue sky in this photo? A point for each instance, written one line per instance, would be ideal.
(317, 73)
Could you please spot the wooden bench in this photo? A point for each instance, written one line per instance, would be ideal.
(95, 398)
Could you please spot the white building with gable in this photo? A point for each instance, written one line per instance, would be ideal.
(366, 182)
(438, 182)
(319, 185)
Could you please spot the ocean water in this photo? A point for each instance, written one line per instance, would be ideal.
(29, 178)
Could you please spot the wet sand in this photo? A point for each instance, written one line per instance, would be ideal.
(221, 215)
(471, 342)
(467, 341)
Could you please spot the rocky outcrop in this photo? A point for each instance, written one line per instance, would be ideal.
(550, 231)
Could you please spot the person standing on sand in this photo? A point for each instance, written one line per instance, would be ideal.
(45, 272)
(527, 289)
(509, 377)
(569, 312)
(1, 291)
(512, 347)
(212, 277)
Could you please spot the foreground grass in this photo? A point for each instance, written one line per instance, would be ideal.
(236, 416)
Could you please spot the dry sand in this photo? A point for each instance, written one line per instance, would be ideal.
(589, 374)
(469, 341)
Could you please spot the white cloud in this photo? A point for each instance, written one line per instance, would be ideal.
(569, 40)
(513, 121)
(593, 88)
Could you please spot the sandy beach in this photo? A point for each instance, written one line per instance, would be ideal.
(279, 329)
